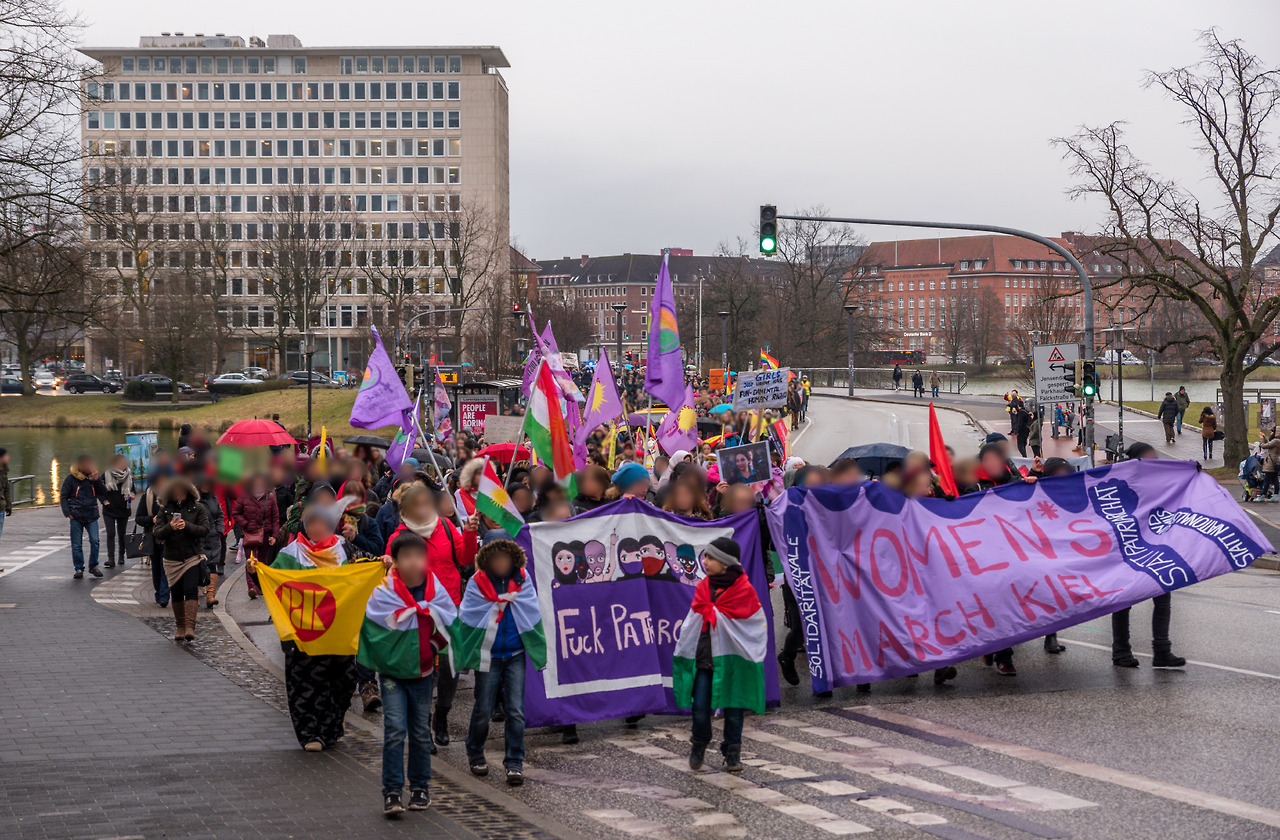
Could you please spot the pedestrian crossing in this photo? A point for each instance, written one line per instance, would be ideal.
(822, 779)
(118, 590)
(20, 558)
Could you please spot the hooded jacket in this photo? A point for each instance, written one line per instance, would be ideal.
(257, 514)
(1168, 411)
(179, 544)
(80, 495)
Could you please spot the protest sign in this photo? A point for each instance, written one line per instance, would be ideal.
(499, 428)
(745, 464)
(759, 389)
(889, 586)
(614, 586)
(472, 412)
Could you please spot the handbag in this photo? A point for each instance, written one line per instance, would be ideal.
(138, 545)
(205, 578)
(1218, 434)
(253, 539)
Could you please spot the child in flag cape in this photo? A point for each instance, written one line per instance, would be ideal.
(719, 658)
(403, 630)
(498, 629)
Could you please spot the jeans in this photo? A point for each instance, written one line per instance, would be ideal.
(158, 580)
(702, 715)
(1270, 481)
(1178, 422)
(935, 391)
(511, 672)
(793, 643)
(78, 530)
(1, 523)
(406, 711)
(115, 529)
(1207, 445)
(1162, 611)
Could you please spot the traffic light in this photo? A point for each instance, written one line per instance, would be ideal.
(1075, 377)
(768, 229)
(1088, 380)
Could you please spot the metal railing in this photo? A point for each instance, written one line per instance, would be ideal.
(881, 379)
(13, 486)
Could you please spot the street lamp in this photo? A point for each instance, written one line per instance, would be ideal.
(307, 350)
(618, 308)
(519, 315)
(849, 309)
(724, 346)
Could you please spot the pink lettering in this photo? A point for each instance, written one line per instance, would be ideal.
(1025, 601)
(1042, 543)
(1068, 585)
(904, 573)
(1104, 539)
(981, 613)
(943, 638)
(919, 634)
(964, 547)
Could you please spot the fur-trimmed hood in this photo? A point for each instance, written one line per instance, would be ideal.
(179, 481)
(469, 473)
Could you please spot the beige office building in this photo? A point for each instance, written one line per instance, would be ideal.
(202, 152)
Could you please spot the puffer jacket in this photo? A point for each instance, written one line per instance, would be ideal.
(179, 544)
(80, 495)
(211, 545)
(254, 514)
(1168, 411)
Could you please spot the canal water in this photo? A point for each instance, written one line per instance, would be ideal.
(48, 454)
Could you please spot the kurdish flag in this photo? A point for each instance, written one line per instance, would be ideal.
(739, 641)
(473, 631)
(400, 635)
(493, 501)
(767, 361)
(548, 432)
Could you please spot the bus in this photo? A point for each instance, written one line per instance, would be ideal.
(877, 358)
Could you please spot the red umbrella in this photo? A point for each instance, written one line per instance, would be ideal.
(256, 433)
(502, 452)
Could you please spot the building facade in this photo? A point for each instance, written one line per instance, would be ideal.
(316, 190)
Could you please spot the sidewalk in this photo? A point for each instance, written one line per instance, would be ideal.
(109, 729)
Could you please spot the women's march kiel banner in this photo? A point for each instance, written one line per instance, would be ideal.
(889, 586)
(614, 586)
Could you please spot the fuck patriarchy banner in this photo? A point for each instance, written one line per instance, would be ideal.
(889, 586)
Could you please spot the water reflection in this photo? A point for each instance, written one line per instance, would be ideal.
(46, 454)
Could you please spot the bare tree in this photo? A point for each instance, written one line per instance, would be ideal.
(1048, 317)
(180, 328)
(732, 282)
(571, 322)
(982, 315)
(1171, 242)
(468, 248)
(208, 263)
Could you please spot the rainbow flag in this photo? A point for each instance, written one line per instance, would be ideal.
(493, 501)
(767, 361)
(547, 429)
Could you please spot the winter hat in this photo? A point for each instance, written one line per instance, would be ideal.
(725, 550)
(413, 462)
(1138, 450)
(995, 437)
(628, 474)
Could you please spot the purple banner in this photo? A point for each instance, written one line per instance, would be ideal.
(889, 586)
(614, 585)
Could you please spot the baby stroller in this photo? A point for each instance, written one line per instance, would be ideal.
(1250, 476)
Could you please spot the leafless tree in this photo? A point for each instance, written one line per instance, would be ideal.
(1048, 317)
(733, 282)
(571, 322)
(181, 329)
(982, 316)
(209, 261)
(468, 248)
(1172, 242)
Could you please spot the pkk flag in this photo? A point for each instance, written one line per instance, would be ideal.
(603, 402)
(319, 609)
(473, 631)
(382, 398)
(548, 432)
(531, 363)
(664, 372)
(739, 642)
(405, 439)
(400, 635)
(443, 407)
(938, 454)
(679, 429)
(493, 501)
(767, 361)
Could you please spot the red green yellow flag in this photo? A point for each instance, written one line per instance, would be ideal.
(544, 423)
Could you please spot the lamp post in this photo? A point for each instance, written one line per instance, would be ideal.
(724, 346)
(519, 314)
(849, 309)
(307, 350)
(618, 309)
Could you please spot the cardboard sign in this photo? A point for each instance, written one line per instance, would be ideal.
(759, 389)
(472, 411)
(715, 381)
(501, 429)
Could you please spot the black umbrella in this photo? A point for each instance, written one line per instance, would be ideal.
(874, 458)
(709, 427)
(442, 460)
(368, 440)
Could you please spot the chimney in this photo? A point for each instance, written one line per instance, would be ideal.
(585, 257)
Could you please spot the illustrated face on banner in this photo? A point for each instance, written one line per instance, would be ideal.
(630, 559)
(653, 555)
(567, 559)
(597, 559)
(686, 562)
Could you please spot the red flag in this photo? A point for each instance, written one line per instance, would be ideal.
(938, 454)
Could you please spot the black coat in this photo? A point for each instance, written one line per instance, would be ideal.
(1168, 411)
(80, 495)
(179, 544)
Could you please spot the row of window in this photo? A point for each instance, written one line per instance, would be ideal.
(267, 231)
(270, 64)
(281, 175)
(887, 304)
(376, 262)
(963, 282)
(279, 120)
(189, 91)
(264, 147)
(918, 322)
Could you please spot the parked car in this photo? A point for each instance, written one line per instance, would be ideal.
(300, 376)
(255, 372)
(163, 384)
(10, 385)
(1125, 357)
(45, 379)
(79, 383)
(229, 383)
(1204, 361)
(114, 375)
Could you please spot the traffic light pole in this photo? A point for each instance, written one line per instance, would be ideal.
(1085, 284)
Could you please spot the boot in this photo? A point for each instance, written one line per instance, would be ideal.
(192, 607)
(179, 622)
(732, 757)
(697, 754)
(1051, 644)
(440, 726)
(211, 593)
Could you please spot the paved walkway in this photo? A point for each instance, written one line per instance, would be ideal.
(110, 730)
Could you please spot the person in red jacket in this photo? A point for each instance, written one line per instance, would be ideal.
(257, 523)
(450, 550)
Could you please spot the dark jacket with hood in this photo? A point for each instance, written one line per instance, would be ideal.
(1168, 411)
(211, 545)
(80, 496)
(179, 544)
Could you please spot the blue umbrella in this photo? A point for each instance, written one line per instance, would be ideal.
(722, 407)
(467, 364)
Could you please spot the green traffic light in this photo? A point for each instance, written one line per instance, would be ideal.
(768, 243)
(1089, 390)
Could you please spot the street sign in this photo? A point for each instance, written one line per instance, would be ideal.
(449, 377)
(1050, 365)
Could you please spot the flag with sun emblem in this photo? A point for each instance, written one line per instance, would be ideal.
(382, 399)
(603, 402)
(664, 369)
(493, 501)
(679, 429)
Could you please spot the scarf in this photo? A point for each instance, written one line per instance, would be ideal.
(121, 480)
(325, 554)
(401, 635)
(422, 529)
(472, 633)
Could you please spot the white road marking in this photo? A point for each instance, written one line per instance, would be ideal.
(1246, 672)
(1096, 772)
(26, 556)
(119, 590)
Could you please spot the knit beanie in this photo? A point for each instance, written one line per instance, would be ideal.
(725, 550)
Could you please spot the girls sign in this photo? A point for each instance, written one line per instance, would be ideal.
(613, 587)
(889, 586)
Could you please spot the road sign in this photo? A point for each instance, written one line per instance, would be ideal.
(1050, 365)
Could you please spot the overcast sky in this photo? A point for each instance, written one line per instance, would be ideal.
(636, 126)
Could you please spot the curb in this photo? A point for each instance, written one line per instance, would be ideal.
(974, 420)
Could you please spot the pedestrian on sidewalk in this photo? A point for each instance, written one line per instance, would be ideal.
(1270, 448)
(1168, 414)
(214, 545)
(403, 631)
(180, 527)
(917, 384)
(149, 507)
(1035, 433)
(724, 626)
(897, 377)
(81, 491)
(1184, 402)
(117, 507)
(935, 382)
(257, 523)
(1208, 430)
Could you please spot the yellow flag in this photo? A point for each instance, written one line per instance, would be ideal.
(320, 610)
(324, 462)
(613, 446)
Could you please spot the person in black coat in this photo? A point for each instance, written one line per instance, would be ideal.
(149, 507)
(1168, 414)
(81, 491)
(180, 527)
(116, 506)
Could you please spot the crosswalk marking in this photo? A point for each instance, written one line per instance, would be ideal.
(118, 592)
(25, 556)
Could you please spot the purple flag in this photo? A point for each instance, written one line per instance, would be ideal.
(442, 405)
(664, 370)
(382, 399)
(531, 363)
(603, 402)
(562, 377)
(679, 429)
(406, 438)
(631, 574)
(889, 586)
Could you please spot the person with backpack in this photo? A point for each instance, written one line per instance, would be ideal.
(1208, 430)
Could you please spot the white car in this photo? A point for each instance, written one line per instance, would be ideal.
(45, 379)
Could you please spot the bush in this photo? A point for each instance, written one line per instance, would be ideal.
(119, 423)
(274, 385)
(136, 391)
